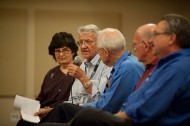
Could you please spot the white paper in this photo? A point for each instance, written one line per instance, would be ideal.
(28, 107)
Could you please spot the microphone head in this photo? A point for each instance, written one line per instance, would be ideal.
(77, 60)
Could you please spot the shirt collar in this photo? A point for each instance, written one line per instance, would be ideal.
(154, 63)
(121, 59)
(93, 62)
(182, 52)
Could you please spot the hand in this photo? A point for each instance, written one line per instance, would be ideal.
(123, 115)
(43, 112)
(80, 104)
(76, 72)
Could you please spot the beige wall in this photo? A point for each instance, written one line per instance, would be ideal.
(26, 28)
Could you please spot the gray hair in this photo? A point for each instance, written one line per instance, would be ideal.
(180, 26)
(88, 28)
(111, 38)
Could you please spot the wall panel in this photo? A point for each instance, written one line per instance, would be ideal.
(48, 22)
(12, 65)
(12, 51)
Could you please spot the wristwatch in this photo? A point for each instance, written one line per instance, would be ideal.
(87, 84)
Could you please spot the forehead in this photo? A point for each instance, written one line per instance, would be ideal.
(89, 35)
(65, 47)
(161, 26)
(136, 37)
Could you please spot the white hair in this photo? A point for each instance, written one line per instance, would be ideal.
(111, 38)
(88, 28)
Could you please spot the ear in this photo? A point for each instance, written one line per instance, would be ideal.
(172, 39)
(146, 46)
(149, 45)
(106, 51)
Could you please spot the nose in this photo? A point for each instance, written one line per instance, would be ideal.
(134, 48)
(83, 45)
(61, 53)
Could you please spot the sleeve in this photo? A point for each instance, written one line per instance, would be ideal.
(157, 92)
(100, 83)
(122, 84)
(41, 95)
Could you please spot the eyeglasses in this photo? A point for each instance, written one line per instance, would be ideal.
(135, 44)
(161, 33)
(98, 50)
(85, 41)
(64, 51)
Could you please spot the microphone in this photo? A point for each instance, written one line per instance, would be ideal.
(77, 60)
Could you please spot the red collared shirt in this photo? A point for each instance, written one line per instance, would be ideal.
(147, 72)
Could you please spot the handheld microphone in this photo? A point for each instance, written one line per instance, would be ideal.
(77, 60)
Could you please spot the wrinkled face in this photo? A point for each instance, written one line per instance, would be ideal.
(105, 56)
(161, 40)
(63, 55)
(139, 47)
(87, 43)
(101, 52)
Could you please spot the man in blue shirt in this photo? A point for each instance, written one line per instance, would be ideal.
(164, 98)
(126, 72)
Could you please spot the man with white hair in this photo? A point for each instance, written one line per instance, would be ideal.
(91, 76)
(164, 98)
(126, 72)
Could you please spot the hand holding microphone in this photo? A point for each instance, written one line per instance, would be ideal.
(74, 70)
(77, 72)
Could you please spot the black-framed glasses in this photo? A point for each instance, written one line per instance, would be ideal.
(135, 44)
(85, 41)
(64, 51)
(161, 33)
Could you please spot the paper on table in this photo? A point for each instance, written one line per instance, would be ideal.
(28, 107)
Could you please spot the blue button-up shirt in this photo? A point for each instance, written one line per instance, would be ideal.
(127, 72)
(164, 98)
